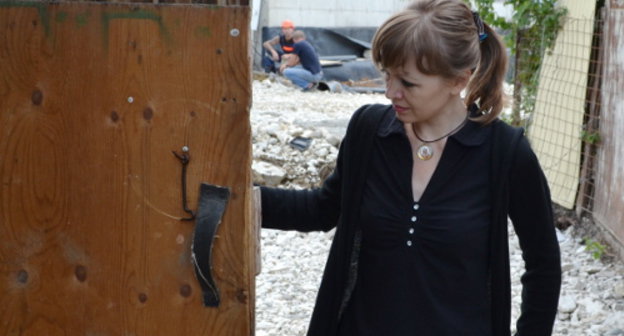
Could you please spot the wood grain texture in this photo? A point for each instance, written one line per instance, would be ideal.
(93, 100)
(609, 194)
(205, 2)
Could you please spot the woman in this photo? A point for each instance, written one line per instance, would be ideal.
(422, 190)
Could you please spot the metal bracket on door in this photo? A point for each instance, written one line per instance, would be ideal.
(184, 158)
(210, 208)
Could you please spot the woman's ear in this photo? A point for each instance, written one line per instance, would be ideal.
(460, 82)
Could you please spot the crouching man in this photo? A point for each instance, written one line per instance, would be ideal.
(302, 66)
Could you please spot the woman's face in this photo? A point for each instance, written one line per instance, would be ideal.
(417, 97)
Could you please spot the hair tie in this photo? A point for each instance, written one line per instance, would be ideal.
(480, 27)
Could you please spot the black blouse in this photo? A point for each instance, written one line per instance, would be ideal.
(423, 265)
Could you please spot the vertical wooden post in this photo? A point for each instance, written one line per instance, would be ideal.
(94, 97)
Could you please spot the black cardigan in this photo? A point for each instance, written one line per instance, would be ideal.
(519, 189)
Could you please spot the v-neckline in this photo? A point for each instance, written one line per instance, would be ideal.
(446, 167)
(427, 184)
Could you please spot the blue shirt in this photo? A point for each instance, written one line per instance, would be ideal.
(307, 56)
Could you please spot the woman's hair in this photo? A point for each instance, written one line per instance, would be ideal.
(443, 37)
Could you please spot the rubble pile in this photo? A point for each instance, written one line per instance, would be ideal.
(284, 120)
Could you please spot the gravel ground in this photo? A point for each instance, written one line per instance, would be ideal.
(592, 301)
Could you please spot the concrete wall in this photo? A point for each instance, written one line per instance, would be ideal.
(332, 13)
(320, 13)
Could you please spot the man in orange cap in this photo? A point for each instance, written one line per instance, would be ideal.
(285, 42)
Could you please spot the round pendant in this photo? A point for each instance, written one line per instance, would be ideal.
(424, 152)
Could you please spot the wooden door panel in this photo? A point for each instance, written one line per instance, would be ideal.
(94, 98)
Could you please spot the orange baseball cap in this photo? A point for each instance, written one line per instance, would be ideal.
(288, 24)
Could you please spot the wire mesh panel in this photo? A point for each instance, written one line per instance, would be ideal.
(556, 124)
(577, 125)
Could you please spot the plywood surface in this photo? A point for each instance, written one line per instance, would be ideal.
(93, 100)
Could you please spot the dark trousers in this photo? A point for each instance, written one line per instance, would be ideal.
(268, 64)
